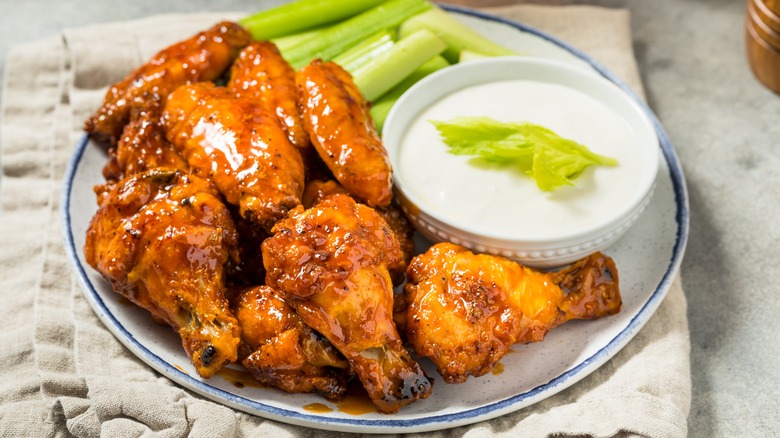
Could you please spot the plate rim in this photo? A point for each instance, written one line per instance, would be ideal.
(431, 422)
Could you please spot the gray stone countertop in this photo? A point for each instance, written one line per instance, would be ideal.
(726, 129)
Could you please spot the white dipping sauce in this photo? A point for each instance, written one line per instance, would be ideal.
(505, 202)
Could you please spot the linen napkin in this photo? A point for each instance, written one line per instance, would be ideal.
(65, 374)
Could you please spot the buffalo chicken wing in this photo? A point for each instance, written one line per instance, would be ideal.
(142, 147)
(465, 310)
(317, 190)
(240, 147)
(332, 261)
(285, 352)
(336, 117)
(263, 76)
(203, 57)
(162, 238)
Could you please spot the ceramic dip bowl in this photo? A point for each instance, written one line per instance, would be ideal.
(498, 208)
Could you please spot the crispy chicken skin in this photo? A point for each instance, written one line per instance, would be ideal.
(203, 57)
(336, 116)
(332, 261)
(161, 238)
(317, 190)
(262, 75)
(465, 310)
(240, 147)
(142, 147)
(285, 352)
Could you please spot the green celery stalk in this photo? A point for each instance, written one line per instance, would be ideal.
(301, 15)
(339, 37)
(468, 55)
(366, 50)
(457, 35)
(388, 69)
(382, 106)
(289, 41)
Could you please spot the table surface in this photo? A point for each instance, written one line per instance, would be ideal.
(726, 129)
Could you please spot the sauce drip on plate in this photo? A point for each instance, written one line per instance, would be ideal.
(239, 378)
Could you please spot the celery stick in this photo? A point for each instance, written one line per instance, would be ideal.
(381, 107)
(366, 50)
(388, 69)
(468, 55)
(457, 35)
(336, 39)
(301, 15)
(289, 41)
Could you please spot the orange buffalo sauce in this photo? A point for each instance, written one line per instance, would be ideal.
(239, 378)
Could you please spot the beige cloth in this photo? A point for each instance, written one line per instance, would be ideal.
(65, 374)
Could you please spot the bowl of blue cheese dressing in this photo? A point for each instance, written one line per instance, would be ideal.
(497, 208)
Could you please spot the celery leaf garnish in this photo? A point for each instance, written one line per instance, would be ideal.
(551, 160)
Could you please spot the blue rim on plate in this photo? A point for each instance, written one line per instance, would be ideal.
(431, 422)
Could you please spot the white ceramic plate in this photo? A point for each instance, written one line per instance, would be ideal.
(647, 257)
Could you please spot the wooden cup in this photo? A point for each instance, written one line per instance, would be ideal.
(773, 5)
(762, 10)
(763, 57)
(761, 27)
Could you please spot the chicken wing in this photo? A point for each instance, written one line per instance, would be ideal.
(465, 310)
(161, 238)
(142, 147)
(336, 117)
(249, 271)
(285, 352)
(240, 147)
(332, 261)
(317, 190)
(262, 75)
(203, 57)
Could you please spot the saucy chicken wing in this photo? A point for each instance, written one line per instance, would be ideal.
(332, 262)
(336, 116)
(263, 76)
(465, 310)
(249, 271)
(142, 147)
(285, 352)
(203, 57)
(240, 147)
(317, 190)
(161, 238)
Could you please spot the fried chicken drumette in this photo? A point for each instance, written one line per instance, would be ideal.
(285, 352)
(465, 310)
(332, 262)
(317, 190)
(142, 147)
(162, 238)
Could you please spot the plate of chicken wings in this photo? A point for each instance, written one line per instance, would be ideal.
(242, 250)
